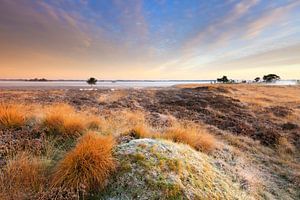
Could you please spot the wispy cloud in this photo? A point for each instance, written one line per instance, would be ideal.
(273, 16)
(284, 57)
(223, 29)
(236, 35)
(147, 38)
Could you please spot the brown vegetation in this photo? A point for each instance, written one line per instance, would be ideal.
(256, 126)
(140, 131)
(22, 176)
(88, 165)
(94, 122)
(196, 137)
(12, 115)
(112, 97)
(285, 147)
(61, 119)
(122, 121)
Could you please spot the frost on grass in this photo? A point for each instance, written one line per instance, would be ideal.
(158, 169)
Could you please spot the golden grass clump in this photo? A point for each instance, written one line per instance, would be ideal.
(73, 124)
(194, 136)
(140, 131)
(12, 115)
(89, 163)
(122, 121)
(94, 123)
(61, 119)
(22, 176)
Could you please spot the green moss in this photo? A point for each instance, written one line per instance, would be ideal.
(141, 160)
(164, 170)
(139, 157)
(125, 166)
(174, 165)
(170, 190)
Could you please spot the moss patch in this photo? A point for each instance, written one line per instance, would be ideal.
(158, 169)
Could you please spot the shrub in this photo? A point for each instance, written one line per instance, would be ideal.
(61, 119)
(197, 138)
(88, 164)
(22, 176)
(12, 115)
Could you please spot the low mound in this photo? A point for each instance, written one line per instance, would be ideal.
(158, 169)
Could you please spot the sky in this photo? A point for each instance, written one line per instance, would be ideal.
(150, 39)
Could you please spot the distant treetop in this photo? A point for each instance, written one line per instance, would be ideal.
(257, 79)
(271, 78)
(224, 79)
(92, 81)
(37, 79)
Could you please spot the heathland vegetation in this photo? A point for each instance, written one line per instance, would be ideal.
(70, 151)
(189, 142)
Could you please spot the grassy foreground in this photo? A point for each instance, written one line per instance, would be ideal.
(189, 142)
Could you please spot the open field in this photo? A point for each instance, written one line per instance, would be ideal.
(184, 142)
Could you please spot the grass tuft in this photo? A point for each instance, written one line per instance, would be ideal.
(73, 125)
(140, 131)
(194, 136)
(22, 176)
(89, 164)
(94, 123)
(12, 116)
(61, 119)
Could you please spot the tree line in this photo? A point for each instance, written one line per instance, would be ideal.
(270, 78)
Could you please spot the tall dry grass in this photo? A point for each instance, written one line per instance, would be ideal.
(122, 121)
(12, 115)
(73, 124)
(94, 122)
(22, 177)
(141, 131)
(265, 96)
(192, 135)
(134, 124)
(88, 165)
(62, 119)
